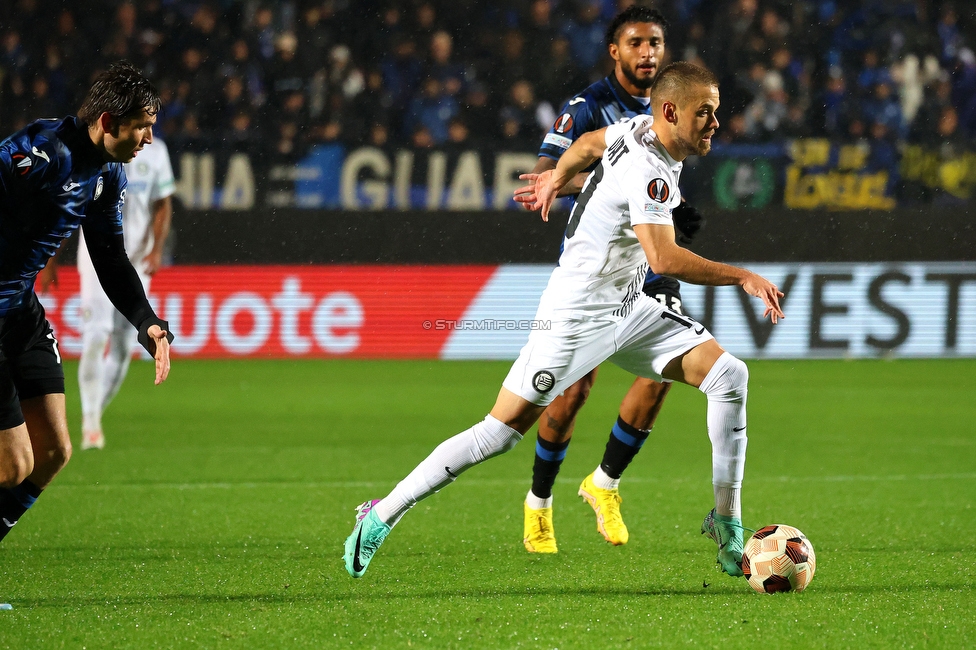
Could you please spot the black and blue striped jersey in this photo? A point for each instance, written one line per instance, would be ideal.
(600, 104)
(52, 180)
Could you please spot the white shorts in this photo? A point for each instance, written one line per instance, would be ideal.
(642, 343)
(98, 314)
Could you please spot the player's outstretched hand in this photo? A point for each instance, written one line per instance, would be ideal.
(769, 293)
(526, 194)
(160, 352)
(540, 194)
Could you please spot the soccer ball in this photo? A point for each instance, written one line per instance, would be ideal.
(778, 558)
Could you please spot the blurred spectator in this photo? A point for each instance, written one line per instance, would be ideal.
(478, 110)
(449, 74)
(838, 104)
(883, 108)
(938, 97)
(950, 38)
(401, 70)
(585, 31)
(520, 126)
(540, 31)
(768, 111)
(261, 33)
(559, 77)
(286, 72)
(315, 37)
(432, 109)
(871, 74)
(241, 63)
(512, 65)
(240, 136)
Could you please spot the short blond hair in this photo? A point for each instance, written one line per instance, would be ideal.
(674, 81)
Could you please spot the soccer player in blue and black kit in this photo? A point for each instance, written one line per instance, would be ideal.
(57, 175)
(635, 40)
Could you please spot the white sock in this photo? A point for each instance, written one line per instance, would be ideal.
(603, 481)
(449, 460)
(535, 502)
(91, 381)
(728, 501)
(726, 387)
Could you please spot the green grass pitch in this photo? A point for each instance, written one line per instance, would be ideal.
(215, 516)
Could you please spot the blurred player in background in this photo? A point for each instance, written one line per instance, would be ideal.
(57, 175)
(620, 226)
(107, 338)
(636, 42)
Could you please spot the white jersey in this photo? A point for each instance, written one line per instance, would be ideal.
(150, 177)
(602, 267)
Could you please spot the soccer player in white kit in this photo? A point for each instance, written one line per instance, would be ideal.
(108, 340)
(621, 224)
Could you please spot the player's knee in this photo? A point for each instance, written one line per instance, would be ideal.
(60, 454)
(576, 395)
(55, 457)
(648, 390)
(493, 437)
(739, 376)
(16, 467)
(727, 380)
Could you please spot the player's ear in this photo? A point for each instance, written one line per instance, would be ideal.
(669, 112)
(614, 52)
(108, 123)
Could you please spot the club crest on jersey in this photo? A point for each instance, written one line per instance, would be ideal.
(23, 163)
(543, 381)
(99, 186)
(658, 190)
(563, 123)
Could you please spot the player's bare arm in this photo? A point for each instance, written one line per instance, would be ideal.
(667, 258)
(545, 187)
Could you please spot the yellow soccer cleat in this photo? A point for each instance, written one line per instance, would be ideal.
(540, 537)
(606, 505)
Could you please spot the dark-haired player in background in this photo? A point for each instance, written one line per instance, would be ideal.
(636, 42)
(57, 175)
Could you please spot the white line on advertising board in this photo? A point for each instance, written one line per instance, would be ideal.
(833, 310)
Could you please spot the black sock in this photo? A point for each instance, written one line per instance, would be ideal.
(548, 457)
(14, 502)
(624, 443)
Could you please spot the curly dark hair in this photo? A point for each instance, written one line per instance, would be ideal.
(635, 14)
(122, 91)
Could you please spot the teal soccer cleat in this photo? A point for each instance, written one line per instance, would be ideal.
(365, 539)
(727, 533)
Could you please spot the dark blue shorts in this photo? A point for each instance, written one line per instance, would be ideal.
(30, 362)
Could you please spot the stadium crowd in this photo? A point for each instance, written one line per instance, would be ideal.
(274, 79)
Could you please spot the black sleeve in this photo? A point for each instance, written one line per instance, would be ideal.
(122, 285)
